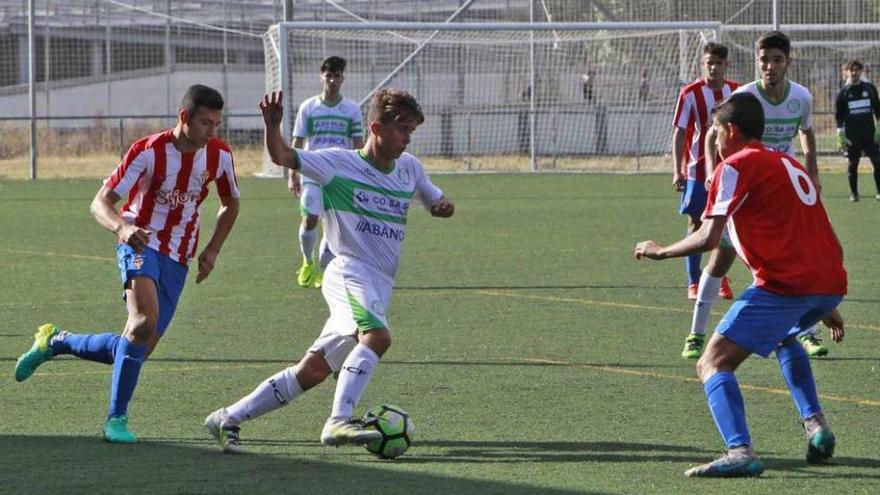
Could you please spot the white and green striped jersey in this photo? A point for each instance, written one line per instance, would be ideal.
(365, 208)
(783, 119)
(328, 125)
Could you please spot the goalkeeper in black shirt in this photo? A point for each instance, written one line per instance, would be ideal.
(855, 108)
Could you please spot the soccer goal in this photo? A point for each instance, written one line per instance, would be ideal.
(506, 96)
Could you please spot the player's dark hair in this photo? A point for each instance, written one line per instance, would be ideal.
(199, 95)
(854, 64)
(775, 39)
(744, 111)
(333, 64)
(716, 49)
(394, 105)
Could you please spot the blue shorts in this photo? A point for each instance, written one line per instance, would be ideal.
(168, 275)
(760, 320)
(693, 199)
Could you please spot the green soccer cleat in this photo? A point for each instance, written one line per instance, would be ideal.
(820, 440)
(305, 276)
(813, 345)
(693, 346)
(38, 354)
(730, 465)
(339, 431)
(116, 430)
(227, 435)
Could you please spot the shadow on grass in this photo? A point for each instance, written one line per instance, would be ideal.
(830, 470)
(71, 465)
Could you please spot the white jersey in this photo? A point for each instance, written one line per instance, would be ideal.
(324, 126)
(365, 208)
(782, 120)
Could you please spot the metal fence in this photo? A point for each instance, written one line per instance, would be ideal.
(80, 79)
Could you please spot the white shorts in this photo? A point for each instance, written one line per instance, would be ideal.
(311, 199)
(358, 298)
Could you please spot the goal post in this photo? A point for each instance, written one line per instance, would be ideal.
(601, 90)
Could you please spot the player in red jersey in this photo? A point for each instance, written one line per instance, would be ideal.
(780, 229)
(166, 178)
(692, 122)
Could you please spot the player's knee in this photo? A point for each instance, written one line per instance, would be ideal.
(141, 329)
(378, 340)
(310, 222)
(312, 370)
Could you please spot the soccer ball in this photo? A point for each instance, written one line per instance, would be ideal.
(396, 427)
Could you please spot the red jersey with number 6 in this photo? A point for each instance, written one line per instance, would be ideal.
(777, 223)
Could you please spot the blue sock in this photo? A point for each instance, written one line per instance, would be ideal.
(100, 347)
(692, 265)
(126, 368)
(728, 410)
(795, 367)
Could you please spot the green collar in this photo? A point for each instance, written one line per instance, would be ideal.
(766, 97)
(330, 104)
(375, 165)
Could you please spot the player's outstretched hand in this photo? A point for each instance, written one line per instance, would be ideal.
(271, 108)
(647, 249)
(834, 322)
(206, 264)
(134, 236)
(443, 208)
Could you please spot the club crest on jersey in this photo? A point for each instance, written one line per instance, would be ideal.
(138, 261)
(203, 179)
(175, 198)
(793, 105)
(404, 174)
(864, 94)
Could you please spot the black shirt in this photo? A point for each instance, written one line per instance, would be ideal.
(855, 108)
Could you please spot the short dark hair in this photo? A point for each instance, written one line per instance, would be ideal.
(744, 111)
(775, 39)
(716, 49)
(394, 105)
(333, 64)
(199, 95)
(854, 64)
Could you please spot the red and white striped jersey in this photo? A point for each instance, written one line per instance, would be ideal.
(166, 188)
(693, 114)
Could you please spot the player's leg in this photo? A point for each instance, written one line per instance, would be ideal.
(324, 357)
(794, 364)
(873, 152)
(693, 201)
(325, 256)
(853, 155)
(358, 300)
(711, 282)
(311, 208)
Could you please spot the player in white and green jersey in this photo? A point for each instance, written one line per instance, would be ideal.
(788, 112)
(323, 121)
(367, 196)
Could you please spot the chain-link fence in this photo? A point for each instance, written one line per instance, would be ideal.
(108, 71)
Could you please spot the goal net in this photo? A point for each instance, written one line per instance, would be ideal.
(507, 97)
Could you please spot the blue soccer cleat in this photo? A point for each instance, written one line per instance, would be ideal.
(116, 430)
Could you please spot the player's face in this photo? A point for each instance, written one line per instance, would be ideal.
(714, 67)
(772, 64)
(331, 81)
(202, 125)
(855, 75)
(394, 137)
(723, 141)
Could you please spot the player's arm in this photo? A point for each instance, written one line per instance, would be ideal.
(710, 152)
(103, 208)
(808, 145)
(226, 216)
(706, 238)
(293, 182)
(678, 137)
(875, 106)
(840, 112)
(280, 153)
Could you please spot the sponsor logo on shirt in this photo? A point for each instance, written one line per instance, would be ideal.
(175, 198)
(379, 229)
(380, 203)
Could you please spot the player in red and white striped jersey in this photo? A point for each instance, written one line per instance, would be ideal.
(691, 123)
(166, 177)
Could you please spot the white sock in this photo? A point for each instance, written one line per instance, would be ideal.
(354, 376)
(813, 330)
(273, 393)
(307, 240)
(707, 296)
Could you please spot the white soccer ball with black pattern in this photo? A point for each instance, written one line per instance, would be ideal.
(396, 427)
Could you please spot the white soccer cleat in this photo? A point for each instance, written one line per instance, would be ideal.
(338, 432)
(227, 435)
